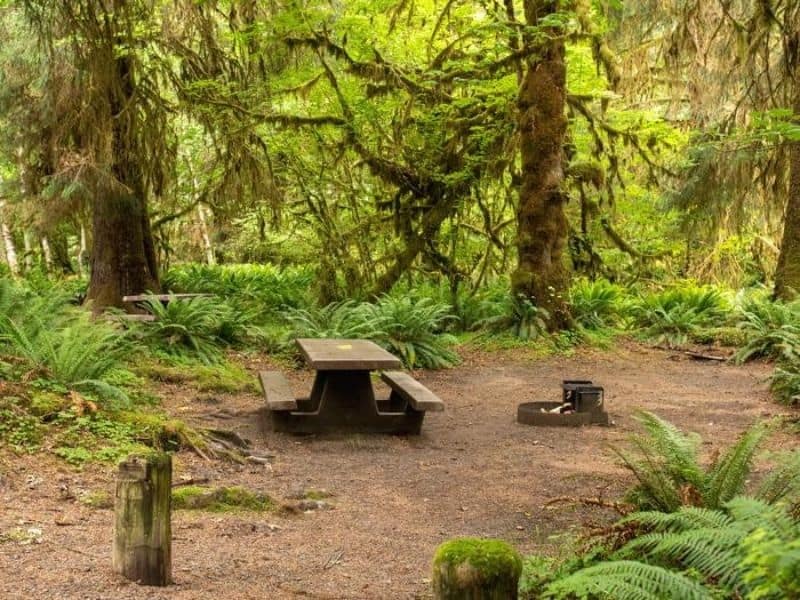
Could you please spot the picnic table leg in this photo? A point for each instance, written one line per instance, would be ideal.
(344, 397)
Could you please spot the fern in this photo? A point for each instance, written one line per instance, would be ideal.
(727, 476)
(669, 475)
(627, 580)
(746, 549)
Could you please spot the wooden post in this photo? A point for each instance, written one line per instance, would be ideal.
(142, 532)
(475, 569)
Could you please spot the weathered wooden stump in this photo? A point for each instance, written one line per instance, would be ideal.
(142, 532)
(476, 569)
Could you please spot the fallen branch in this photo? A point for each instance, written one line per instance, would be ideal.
(622, 508)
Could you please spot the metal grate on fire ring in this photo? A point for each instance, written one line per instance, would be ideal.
(582, 403)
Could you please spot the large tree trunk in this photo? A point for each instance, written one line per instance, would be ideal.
(123, 261)
(542, 226)
(787, 274)
(123, 256)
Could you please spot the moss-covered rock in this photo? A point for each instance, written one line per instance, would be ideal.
(223, 499)
(476, 569)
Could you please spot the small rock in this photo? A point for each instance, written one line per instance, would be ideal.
(308, 505)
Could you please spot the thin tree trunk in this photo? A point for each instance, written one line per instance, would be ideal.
(209, 249)
(82, 258)
(787, 274)
(8, 244)
(46, 252)
(27, 242)
(542, 226)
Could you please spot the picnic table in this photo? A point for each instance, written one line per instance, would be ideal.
(342, 397)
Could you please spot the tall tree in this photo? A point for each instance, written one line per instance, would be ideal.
(110, 128)
(542, 227)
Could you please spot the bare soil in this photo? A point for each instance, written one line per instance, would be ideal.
(473, 472)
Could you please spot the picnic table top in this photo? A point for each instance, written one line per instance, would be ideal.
(346, 355)
(163, 297)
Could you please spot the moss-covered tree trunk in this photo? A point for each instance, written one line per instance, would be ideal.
(123, 255)
(542, 226)
(787, 274)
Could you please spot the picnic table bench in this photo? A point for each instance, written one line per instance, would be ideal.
(342, 397)
(163, 297)
(139, 299)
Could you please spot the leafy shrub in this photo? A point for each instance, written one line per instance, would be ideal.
(191, 327)
(410, 328)
(676, 315)
(348, 319)
(413, 330)
(261, 290)
(62, 341)
(666, 465)
(772, 329)
(19, 430)
(595, 304)
(520, 317)
(785, 383)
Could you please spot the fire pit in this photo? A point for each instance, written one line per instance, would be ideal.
(582, 403)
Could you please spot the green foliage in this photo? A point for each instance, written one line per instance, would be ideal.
(772, 330)
(627, 580)
(61, 341)
(411, 328)
(19, 430)
(678, 314)
(520, 317)
(666, 465)
(99, 437)
(746, 548)
(262, 290)
(785, 383)
(595, 304)
(196, 327)
(348, 319)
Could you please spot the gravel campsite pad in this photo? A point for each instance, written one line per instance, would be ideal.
(363, 514)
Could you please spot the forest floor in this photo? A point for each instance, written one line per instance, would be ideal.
(473, 472)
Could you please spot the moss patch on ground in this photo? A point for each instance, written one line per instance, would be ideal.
(222, 499)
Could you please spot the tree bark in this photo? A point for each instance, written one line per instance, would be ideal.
(542, 226)
(123, 256)
(8, 244)
(787, 273)
(27, 244)
(207, 246)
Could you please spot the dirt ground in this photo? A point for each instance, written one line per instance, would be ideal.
(473, 472)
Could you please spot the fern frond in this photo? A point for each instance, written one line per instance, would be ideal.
(727, 477)
(627, 580)
(783, 480)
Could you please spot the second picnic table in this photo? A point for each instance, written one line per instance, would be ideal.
(342, 397)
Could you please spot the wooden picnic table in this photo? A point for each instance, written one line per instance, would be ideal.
(342, 397)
